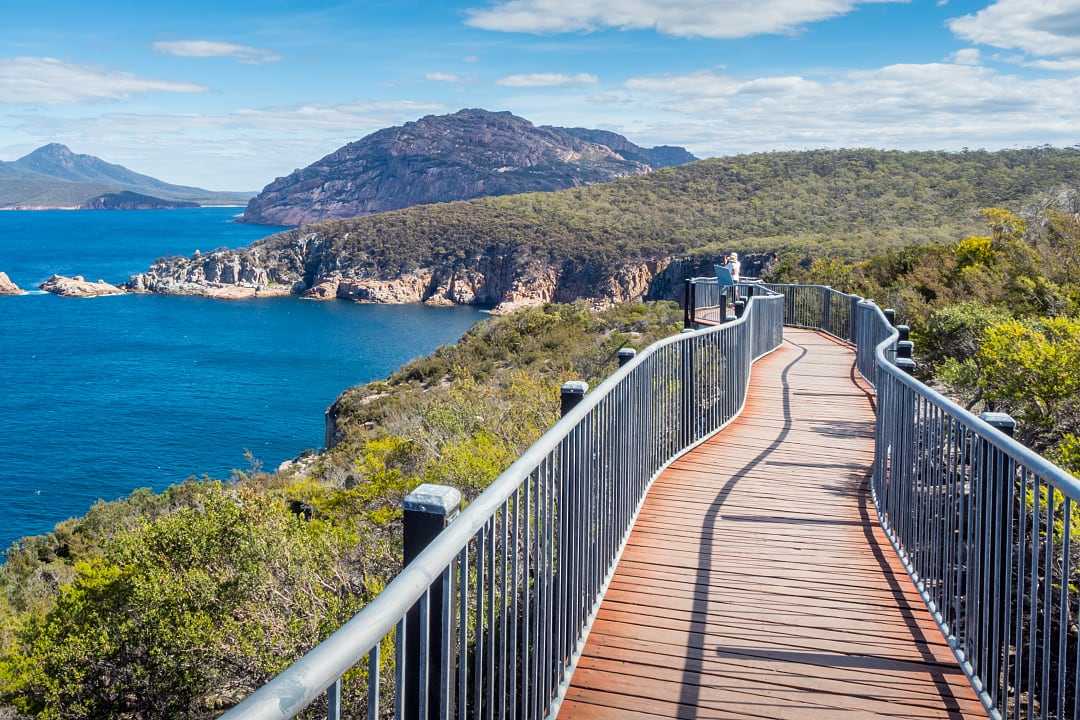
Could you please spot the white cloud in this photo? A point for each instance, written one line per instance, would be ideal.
(471, 58)
(1050, 27)
(966, 56)
(212, 49)
(443, 77)
(684, 18)
(239, 150)
(933, 105)
(528, 80)
(1069, 65)
(43, 80)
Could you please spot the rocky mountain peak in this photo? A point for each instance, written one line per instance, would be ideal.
(438, 158)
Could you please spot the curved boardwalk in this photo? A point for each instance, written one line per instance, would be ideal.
(756, 583)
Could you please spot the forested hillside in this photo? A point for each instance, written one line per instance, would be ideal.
(608, 241)
(995, 315)
(176, 604)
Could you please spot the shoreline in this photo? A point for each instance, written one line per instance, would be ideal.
(40, 208)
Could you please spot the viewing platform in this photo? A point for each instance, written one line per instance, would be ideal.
(756, 582)
(765, 516)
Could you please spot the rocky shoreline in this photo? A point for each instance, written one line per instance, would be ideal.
(499, 279)
(7, 287)
(78, 286)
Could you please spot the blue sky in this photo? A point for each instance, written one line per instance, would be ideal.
(230, 95)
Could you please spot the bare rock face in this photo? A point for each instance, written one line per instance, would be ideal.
(7, 287)
(78, 286)
(313, 263)
(471, 153)
(226, 274)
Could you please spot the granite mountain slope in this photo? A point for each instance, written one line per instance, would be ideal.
(439, 158)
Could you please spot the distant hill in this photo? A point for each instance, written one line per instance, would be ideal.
(635, 236)
(127, 200)
(439, 158)
(54, 176)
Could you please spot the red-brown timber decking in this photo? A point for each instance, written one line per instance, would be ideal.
(756, 582)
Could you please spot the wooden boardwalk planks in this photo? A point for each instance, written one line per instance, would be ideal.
(756, 582)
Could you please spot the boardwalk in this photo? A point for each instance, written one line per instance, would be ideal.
(756, 583)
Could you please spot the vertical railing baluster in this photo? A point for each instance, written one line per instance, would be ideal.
(373, 682)
(333, 700)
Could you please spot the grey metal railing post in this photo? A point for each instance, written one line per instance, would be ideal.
(890, 315)
(626, 354)
(573, 391)
(904, 331)
(687, 389)
(688, 303)
(428, 510)
(1002, 421)
(826, 309)
(905, 349)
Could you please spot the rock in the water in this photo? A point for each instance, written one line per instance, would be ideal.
(79, 286)
(7, 287)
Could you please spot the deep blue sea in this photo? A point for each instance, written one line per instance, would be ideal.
(101, 396)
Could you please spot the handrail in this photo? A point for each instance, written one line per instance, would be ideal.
(983, 524)
(545, 535)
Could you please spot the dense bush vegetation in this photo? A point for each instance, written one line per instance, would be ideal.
(995, 316)
(843, 203)
(176, 604)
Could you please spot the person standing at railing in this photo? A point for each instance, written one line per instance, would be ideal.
(731, 262)
(727, 274)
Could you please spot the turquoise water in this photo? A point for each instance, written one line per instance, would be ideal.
(101, 396)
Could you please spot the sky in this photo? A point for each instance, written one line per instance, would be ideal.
(230, 95)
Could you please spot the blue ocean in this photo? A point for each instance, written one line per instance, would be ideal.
(101, 396)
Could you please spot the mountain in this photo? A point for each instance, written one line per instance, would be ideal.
(127, 200)
(54, 176)
(636, 236)
(661, 156)
(439, 158)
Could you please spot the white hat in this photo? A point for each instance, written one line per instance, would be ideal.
(734, 256)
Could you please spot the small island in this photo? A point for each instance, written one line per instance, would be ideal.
(79, 286)
(127, 200)
(7, 287)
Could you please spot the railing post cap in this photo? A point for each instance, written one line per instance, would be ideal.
(906, 364)
(433, 499)
(627, 352)
(1001, 421)
(575, 387)
(684, 331)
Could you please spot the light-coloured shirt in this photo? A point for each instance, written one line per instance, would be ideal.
(733, 267)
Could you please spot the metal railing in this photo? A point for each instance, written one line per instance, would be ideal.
(708, 302)
(819, 307)
(521, 571)
(982, 523)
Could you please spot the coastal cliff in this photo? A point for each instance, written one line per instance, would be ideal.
(498, 278)
(635, 237)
